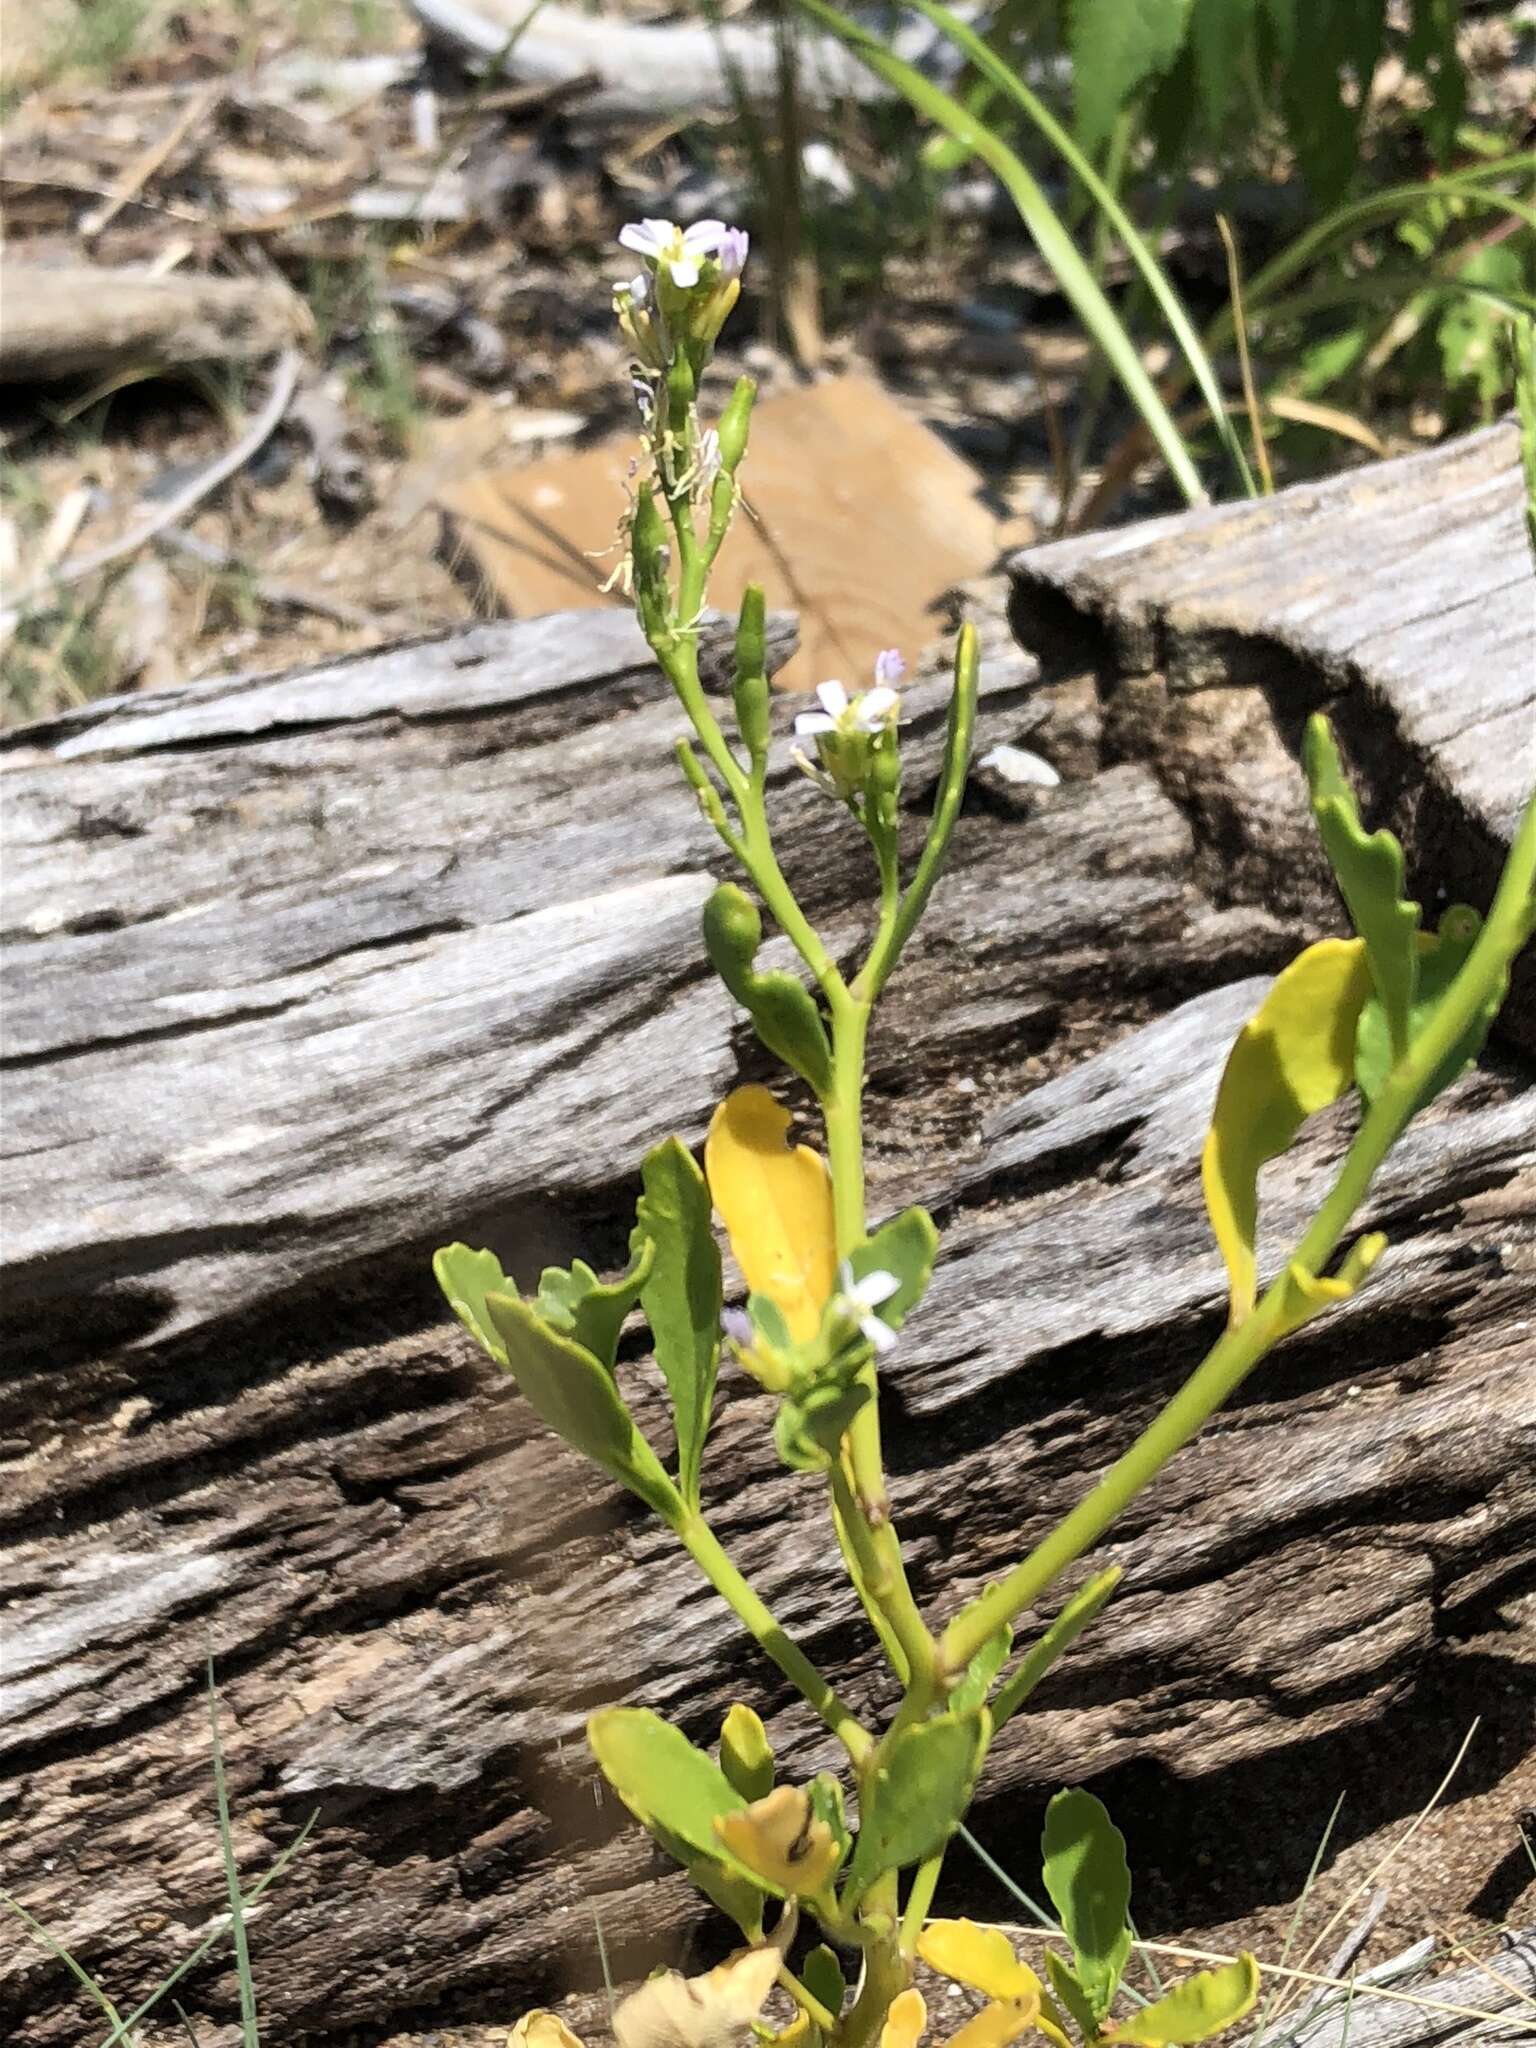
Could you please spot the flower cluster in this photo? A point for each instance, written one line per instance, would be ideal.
(691, 281)
(846, 729)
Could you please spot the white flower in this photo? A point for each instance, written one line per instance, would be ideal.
(681, 250)
(871, 713)
(709, 456)
(860, 1298)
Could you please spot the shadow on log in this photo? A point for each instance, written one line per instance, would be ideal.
(310, 973)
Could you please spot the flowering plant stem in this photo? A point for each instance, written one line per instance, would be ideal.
(1392, 1012)
(1239, 1350)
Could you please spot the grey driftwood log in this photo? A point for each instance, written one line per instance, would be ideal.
(309, 973)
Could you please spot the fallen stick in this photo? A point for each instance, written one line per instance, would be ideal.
(82, 319)
(284, 379)
(143, 168)
(644, 69)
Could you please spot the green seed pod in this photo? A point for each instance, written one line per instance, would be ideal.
(734, 423)
(782, 1010)
(751, 687)
(649, 557)
(745, 1754)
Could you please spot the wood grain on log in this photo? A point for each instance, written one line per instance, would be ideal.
(312, 972)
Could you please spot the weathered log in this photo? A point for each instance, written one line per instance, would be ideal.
(312, 972)
(84, 319)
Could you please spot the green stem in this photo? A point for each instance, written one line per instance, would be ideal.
(1063, 1632)
(1235, 1354)
(925, 1882)
(890, 940)
(887, 1973)
(699, 1540)
(807, 2000)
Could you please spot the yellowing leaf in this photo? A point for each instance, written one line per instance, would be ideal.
(776, 1205)
(712, 2011)
(1194, 2010)
(780, 1840)
(905, 2019)
(542, 2030)
(1295, 1055)
(996, 2025)
(981, 1957)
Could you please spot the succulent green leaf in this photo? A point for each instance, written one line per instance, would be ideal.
(1089, 1883)
(983, 1668)
(672, 1788)
(1117, 45)
(589, 1311)
(466, 1278)
(917, 1794)
(737, 1897)
(822, 1975)
(1441, 959)
(576, 1397)
(681, 1295)
(1196, 2009)
(1070, 1994)
(905, 1247)
(1369, 869)
(746, 1755)
(782, 1009)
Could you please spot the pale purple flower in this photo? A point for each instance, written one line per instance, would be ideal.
(681, 250)
(889, 666)
(860, 1298)
(732, 252)
(871, 713)
(736, 1324)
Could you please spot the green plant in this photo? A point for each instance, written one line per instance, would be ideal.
(1390, 278)
(1390, 1014)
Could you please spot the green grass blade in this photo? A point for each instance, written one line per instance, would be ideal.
(250, 2032)
(120, 2032)
(1375, 211)
(1056, 246)
(1183, 329)
(56, 1948)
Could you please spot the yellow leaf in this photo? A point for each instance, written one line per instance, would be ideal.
(776, 1205)
(781, 1839)
(905, 2019)
(998, 2024)
(1295, 1055)
(542, 2030)
(712, 2011)
(981, 1957)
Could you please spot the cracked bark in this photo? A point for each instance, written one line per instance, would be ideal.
(309, 973)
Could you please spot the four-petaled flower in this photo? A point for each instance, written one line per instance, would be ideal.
(682, 252)
(859, 1299)
(874, 711)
